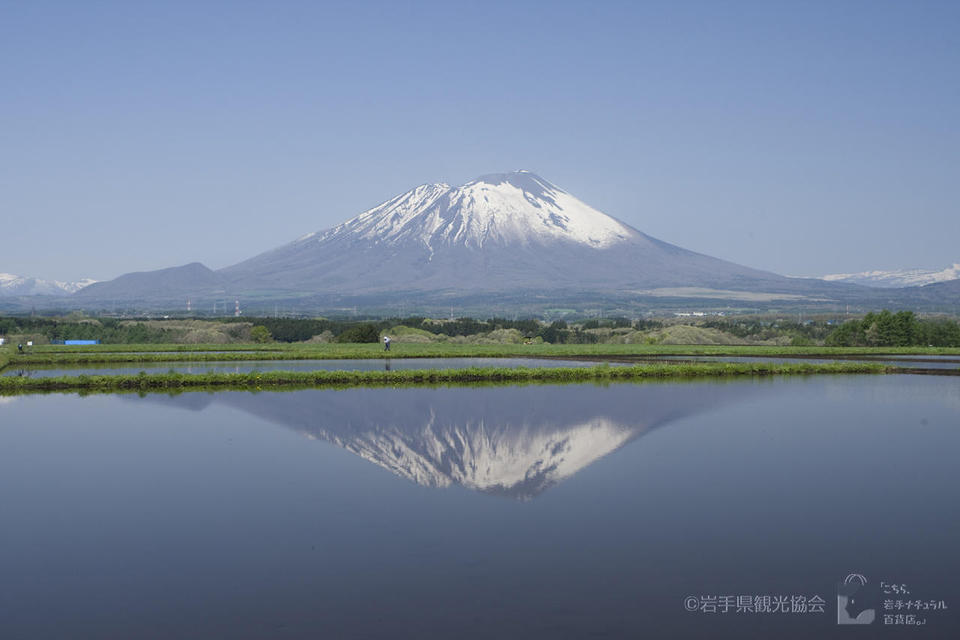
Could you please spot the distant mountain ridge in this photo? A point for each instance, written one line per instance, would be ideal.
(13, 285)
(163, 283)
(898, 277)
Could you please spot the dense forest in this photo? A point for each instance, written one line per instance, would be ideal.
(901, 329)
(107, 330)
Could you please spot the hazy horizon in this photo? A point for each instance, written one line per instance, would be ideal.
(803, 140)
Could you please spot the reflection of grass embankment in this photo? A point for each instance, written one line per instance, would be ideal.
(315, 379)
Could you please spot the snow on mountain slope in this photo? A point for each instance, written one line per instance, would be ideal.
(897, 278)
(512, 208)
(12, 285)
(73, 287)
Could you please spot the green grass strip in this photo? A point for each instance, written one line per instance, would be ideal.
(320, 379)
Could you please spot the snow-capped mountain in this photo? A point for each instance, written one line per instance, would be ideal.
(512, 231)
(897, 278)
(11, 285)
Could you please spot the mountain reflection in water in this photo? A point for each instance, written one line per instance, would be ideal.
(510, 441)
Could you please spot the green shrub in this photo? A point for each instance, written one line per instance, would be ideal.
(260, 334)
(363, 333)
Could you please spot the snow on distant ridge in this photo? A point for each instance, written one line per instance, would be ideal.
(897, 278)
(13, 285)
(518, 207)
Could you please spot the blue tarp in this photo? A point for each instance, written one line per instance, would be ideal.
(81, 342)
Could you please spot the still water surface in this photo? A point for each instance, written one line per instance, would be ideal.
(246, 366)
(913, 362)
(538, 511)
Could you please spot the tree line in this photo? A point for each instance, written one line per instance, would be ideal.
(880, 329)
(901, 329)
(107, 330)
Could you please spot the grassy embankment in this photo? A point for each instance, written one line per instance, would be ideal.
(315, 379)
(105, 354)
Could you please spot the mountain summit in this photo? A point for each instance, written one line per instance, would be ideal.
(495, 210)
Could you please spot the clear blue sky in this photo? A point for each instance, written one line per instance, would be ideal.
(799, 137)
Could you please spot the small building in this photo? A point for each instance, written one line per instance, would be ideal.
(80, 342)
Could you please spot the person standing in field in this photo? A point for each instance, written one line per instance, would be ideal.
(386, 343)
